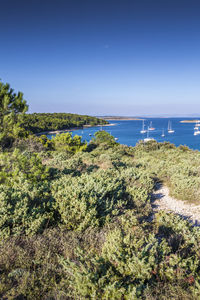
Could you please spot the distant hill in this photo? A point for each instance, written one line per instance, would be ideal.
(39, 122)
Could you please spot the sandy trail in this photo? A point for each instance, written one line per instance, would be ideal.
(162, 201)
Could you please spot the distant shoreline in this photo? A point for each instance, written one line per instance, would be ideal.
(190, 121)
(72, 129)
(121, 119)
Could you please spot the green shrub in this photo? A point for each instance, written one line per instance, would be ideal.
(85, 232)
(103, 137)
(66, 142)
(25, 208)
(26, 164)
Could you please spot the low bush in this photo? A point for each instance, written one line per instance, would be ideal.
(75, 223)
(65, 142)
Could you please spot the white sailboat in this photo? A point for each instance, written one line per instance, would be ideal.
(143, 130)
(196, 129)
(151, 127)
(197, 126)
(197, 132)
(163, 133)
(170, 130)
(147, 139)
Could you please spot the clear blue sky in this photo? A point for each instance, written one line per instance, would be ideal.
(101, 57)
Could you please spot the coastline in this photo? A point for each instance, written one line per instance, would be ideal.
(190, 121)
(121, 119)
(72, 129)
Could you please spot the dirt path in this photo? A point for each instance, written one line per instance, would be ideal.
(162, 201)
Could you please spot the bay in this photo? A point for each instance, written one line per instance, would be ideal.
(128, 131)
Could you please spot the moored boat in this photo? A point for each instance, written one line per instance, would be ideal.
(197, 132)
(170, 130)
(148, 139)
(151, 128)
(143, 130)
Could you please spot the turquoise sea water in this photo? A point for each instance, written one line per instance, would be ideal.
(128, 132)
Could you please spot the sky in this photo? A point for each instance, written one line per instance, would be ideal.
(103, 57)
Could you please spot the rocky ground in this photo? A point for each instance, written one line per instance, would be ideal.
(162, 201)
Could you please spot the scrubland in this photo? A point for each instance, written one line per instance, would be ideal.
(74, 220)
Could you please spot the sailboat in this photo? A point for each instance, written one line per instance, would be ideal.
(197, 126)
(163, 133)
(147, 139)
(151, 127)
(143, 130)
(170, 130)
(196, 132)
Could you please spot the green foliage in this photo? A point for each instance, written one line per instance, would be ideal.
(25, 200)
(31, 143)
(103, 137)
(25, 164)
(178, 168)
(25, 208)
(39, 122)
(78, 226)
(66, 142)
(89, 200)
(135, 259)
(76, 219)
(12, 109)
(47, 143)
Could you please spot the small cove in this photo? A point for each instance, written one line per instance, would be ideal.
(128, 131)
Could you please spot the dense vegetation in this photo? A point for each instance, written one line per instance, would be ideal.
(39, 122)
(12, 110)
(76, 220)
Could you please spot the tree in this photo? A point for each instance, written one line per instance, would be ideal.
(12, 109)
(65, 142)
(103, 137)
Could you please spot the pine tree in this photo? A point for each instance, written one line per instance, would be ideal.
(12, 109)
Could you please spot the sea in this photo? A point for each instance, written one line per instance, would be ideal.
(127, 132)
